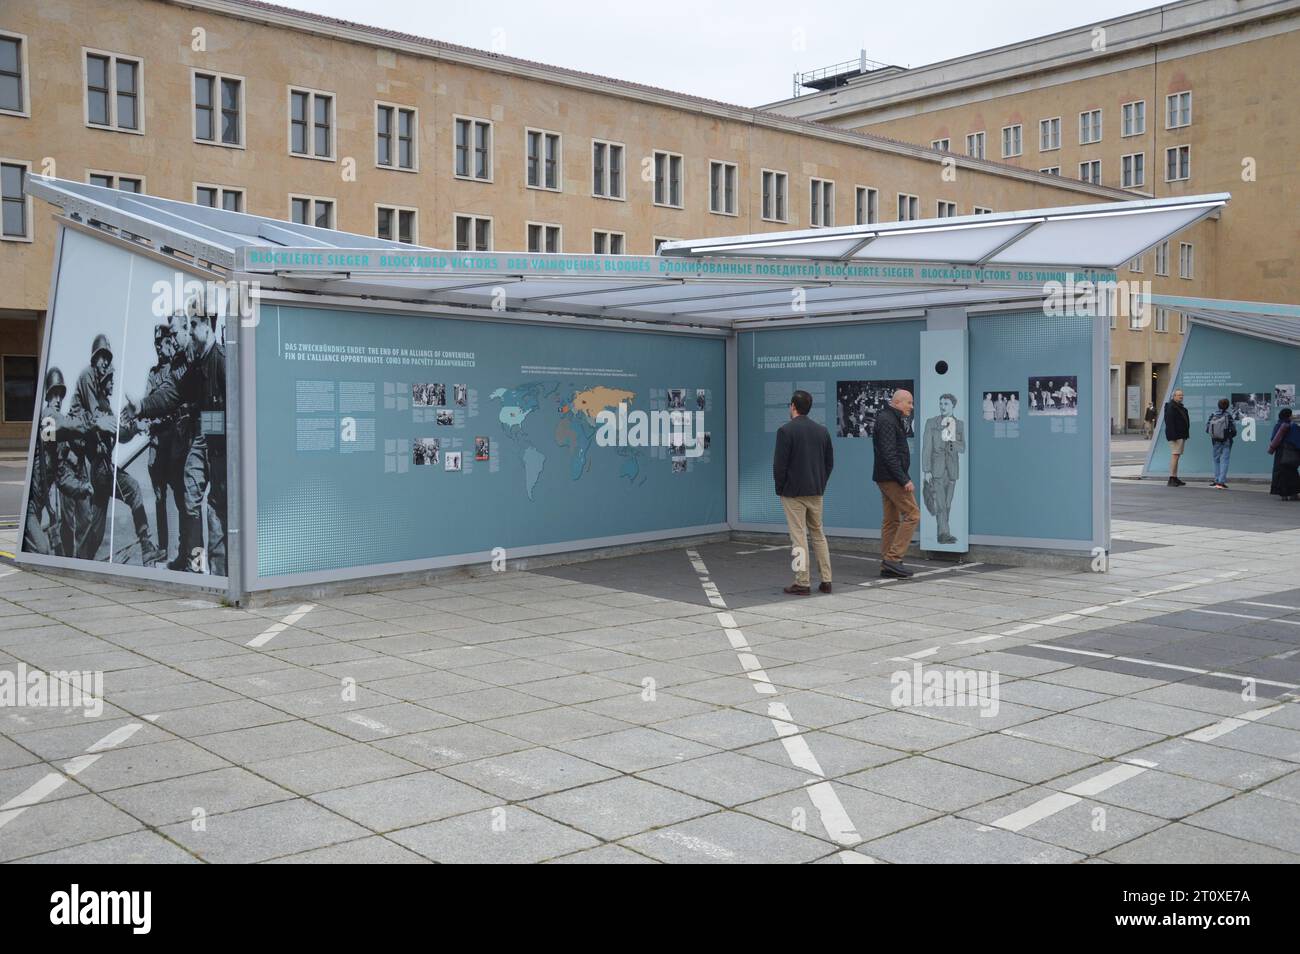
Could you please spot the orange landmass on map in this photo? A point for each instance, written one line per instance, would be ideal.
(594, 400)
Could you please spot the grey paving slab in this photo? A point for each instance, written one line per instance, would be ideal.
(506, 834)
(1214, 763)
(62, 823)
(437, 748)
(905, 731)
(1151, 716)
(136, 848)
(727, 838)
(536, 771)
(309, 772)
(405, 801)
(267, 831)
(176, 799)
(384, 722)
(137, 764)
(722, 728)
(873, 815)
(1273, 822)
(956, 840)
(619, 807)
(1089, 826)
(1262, 739)
(603, 855)
(363, 851)
(836, 754)
(257, 743)
(932, 784)
(647, 709)
(558, 724)
(727, 778)
(1070, 731)
(19, 780)
(1022, 759)
(1182, 844)
(219, 717)
(1154, 792)
(635, 749)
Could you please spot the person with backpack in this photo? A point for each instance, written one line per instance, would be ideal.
(1177, 430)
(1222, 429)
(1284, 445)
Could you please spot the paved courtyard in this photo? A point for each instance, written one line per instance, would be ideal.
(673, 707)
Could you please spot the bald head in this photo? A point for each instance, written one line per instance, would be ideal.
(902, 402)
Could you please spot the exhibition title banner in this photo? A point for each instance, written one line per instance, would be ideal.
(378, 262)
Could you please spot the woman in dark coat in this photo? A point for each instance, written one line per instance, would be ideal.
(1284, 445)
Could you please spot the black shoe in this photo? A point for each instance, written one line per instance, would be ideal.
(794, 589)
(890, 568)
(1175, 482)
(824, 588)
(151, 555)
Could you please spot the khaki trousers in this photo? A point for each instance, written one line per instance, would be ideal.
(901, 517)
(803, 516)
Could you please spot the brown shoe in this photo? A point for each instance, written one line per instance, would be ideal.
(794, 589)
(824, 588)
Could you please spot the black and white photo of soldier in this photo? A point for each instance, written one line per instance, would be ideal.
(482, 448)
(446, 418)
(460, 393)
(679, 465)
(45, 531)
(676, 399)
(1283, 396)
(1258, 405)
(708, 439)
(424, 453)
(942, 444)
(858, 402)
(701, 399)
(677, 450)
(453, 460)
(429, 395)
(1054, 394)
(1001, 406)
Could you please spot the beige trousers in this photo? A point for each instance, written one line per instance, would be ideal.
(803, 515)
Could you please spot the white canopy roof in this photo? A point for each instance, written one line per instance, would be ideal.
(884, 269)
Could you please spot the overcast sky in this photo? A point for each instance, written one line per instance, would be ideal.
(737, 51)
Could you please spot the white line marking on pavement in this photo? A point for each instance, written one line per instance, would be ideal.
(278, 628)
(917, 576)
(51, 782)
(1267, 619)
(1269, 605)
(986, 637)
(1220, 729)
(834, 818)
(366, 722)
(1089, 610)
(1059, 801)
(1159, 665)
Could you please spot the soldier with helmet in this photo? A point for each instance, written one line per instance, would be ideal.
(90, 461)
(53, 429)
(167, 445)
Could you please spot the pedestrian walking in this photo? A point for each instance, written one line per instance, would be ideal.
(1149, 420)
(1178, 427)
(801, 467)
(1222, 428)
(891, 473)
(1284, 445)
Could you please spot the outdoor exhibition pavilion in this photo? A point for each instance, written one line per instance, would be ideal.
(353, 408)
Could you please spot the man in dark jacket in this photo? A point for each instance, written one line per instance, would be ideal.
(801, 467)
(1178, 427)
(893, 462)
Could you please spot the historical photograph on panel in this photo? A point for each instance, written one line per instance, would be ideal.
(425, 451)
(453, 460)
(460, 394)
(446, 418)
(482, 448)
(1001, 406)
(429, 395)
(676, 399)
(130, 458)
(1283, 396)
(701, 399)
(1054, 394)
(858, 403)
(1258, 405)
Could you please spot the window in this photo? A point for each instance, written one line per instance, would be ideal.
(775, 195)
(112, 91)
(1089, 126)
(395, 137)
(608, 243)
(1136, 265)
(1136, 319)
(1133, 170)
(473, 144)
(311, 123)
(219, 197)
(1162, 321)
(821, 202)
(981, 210)
(1049, 134)
(1162, 258)
(722, 188)
(1051, 170)
(1090, 171)
(542, 159)
(543, 238)
(909, 207)
(1013, 141)
(1182, 324)
(1135, 118)
(395, 223)
(219, 109)
(16, 215)
(866, 206)
(109, 180)
(668, 179)
(943, 145)
(607, 169)
(13, 74)
(658, 243)
(1178, 163)
(975, 145)
(473, 233)
(310, 210)
(1185, 260)
(19, 373)
(945, 210)
(1178, 110)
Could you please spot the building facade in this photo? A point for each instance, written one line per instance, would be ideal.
(1188, 98)
(268, 110)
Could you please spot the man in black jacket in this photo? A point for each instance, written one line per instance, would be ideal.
(801, 467)
(1178, 427)
(891, 472)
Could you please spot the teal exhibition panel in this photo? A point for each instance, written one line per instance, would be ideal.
(1257, 375)
(1027, 402)
(389, 440)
